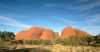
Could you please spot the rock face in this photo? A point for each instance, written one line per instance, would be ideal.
(36, 33)
(56, 35)
(20, 35)
(47, 34)
(82, 33)
(69, 31)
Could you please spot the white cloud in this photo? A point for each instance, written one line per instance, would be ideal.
(24, 25)
(94, 18)
(52, 5)
(84, 7)
(94, 30)
(12, 22)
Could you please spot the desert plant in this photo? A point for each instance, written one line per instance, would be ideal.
(68, 41)
(97, 39)
(7, 36)
(31, 42)
(57, 41)
(74, 41)
(89, 40)
(46, 42)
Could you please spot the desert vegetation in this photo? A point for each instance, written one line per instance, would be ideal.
(71, 44)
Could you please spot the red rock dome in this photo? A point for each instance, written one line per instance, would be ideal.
(47, 34)
(36, 33)
(33, 33)
(69, 31)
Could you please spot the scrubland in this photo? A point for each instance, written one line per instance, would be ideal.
(49, 48)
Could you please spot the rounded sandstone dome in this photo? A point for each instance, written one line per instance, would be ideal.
(47, 34)
(35, 33)
(69, 32)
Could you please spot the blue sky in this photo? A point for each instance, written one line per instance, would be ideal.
(17, 15)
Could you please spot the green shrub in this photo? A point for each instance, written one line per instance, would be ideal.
(46, 42)
(74, 41)
(31, 42)
(57, 41)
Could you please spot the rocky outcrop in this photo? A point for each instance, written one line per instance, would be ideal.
(33, 33)
(47, 34)
(69, 31)
(36, 33)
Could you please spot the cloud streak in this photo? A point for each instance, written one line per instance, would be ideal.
(84, 7)
(94, 30)
(94, 19)
(52, 5)
(12, 22)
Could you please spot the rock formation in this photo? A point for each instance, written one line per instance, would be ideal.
(47, 34)
(56, 35)
(36, 33)
(82, 33)
(20, 35)
(69, 31)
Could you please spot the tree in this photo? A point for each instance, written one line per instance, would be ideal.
(7, 35)
(89, 40)
(97, 39)
(0, 34)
